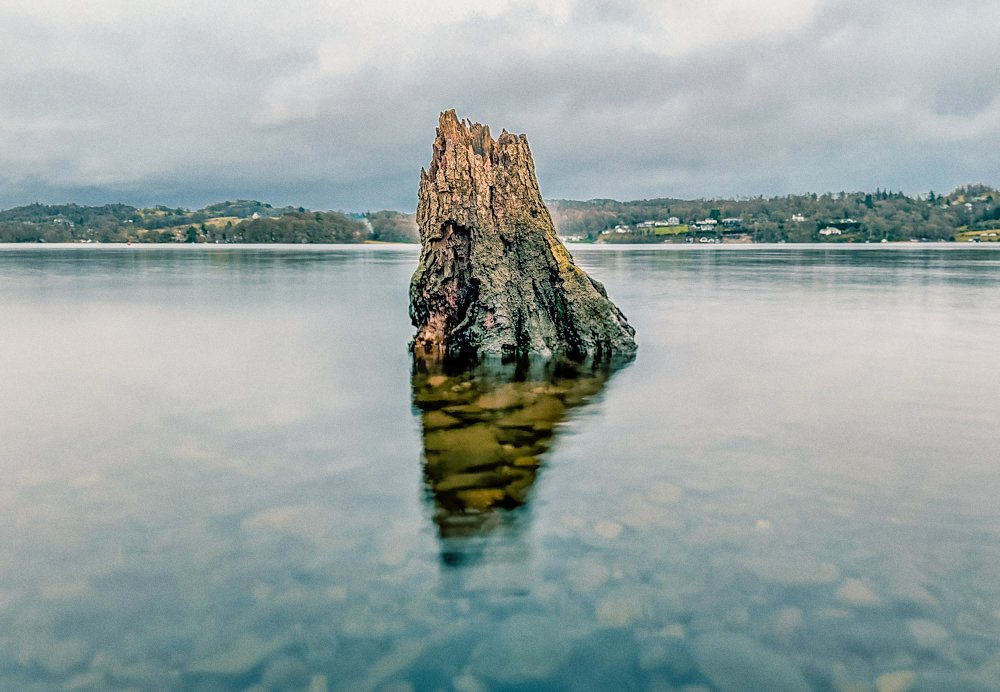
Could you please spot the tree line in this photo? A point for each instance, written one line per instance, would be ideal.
(861, 216)
(242, 221)
(877, 215)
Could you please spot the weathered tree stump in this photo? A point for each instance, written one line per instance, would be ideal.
(494, 279)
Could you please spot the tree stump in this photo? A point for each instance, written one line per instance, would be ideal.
(494, 279)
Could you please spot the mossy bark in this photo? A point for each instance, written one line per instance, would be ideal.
(493, 278)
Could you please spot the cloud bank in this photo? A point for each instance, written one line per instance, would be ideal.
(333, 104)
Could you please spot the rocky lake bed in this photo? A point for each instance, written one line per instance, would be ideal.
(225, 472)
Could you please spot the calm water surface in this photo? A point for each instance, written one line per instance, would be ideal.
(222, 473)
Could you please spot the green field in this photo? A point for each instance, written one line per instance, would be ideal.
(671, 230)
(991, 235)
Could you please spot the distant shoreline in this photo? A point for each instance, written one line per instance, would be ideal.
(968, 214)
(573, 245)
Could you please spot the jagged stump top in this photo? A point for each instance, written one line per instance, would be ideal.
(494, 279)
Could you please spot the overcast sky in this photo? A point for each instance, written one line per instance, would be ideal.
(332, 105)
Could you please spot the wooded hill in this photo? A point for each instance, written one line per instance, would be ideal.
(242, 221)
(968, 213)
(858, 216)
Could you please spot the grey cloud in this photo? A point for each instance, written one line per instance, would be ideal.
(856, 95)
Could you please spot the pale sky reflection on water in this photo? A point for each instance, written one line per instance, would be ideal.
(215, 478)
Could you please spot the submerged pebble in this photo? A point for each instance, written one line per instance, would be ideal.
(619, 609)
(645, 516)
(736, 663)
(525, 647)
(468, 683)
(927, 634)
(664, 493)
(241, 655)
(898, 681)
(587, 575)
(608, 529)
(59, 656)
(792, 570)
(856, 593)
(788, 621)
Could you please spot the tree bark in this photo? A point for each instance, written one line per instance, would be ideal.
(494, 279)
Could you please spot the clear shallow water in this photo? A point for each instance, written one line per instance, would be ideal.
(221, 474)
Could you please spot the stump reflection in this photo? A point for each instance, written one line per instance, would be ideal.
(486, 431)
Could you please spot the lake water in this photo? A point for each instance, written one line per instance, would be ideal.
(221, 472)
